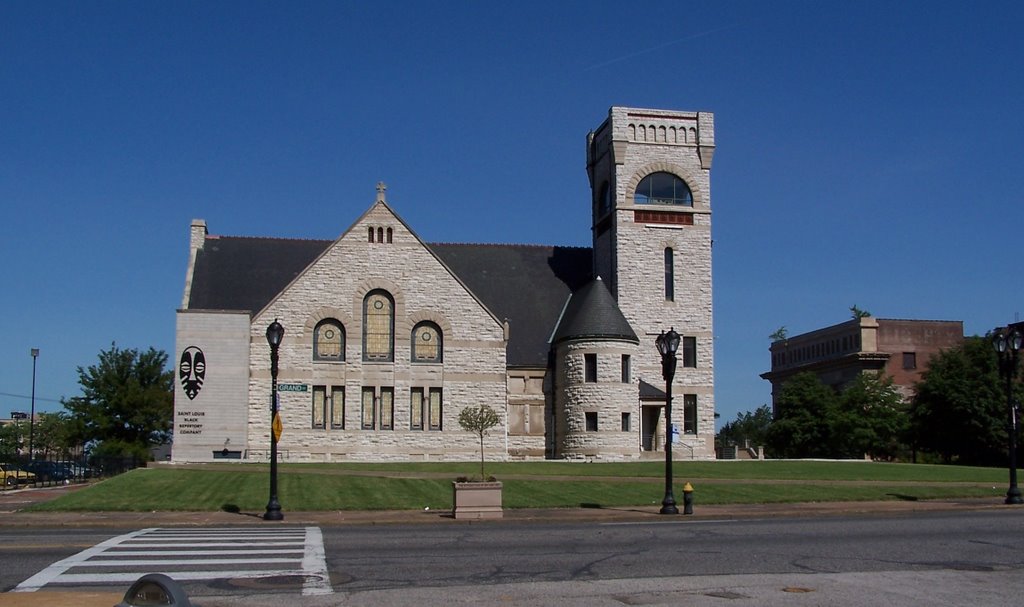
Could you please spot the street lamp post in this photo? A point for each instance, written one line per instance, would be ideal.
(32, 414)
(668, 345)
(275, 333)
(1008, 346)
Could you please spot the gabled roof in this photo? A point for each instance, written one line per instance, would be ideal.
(236, 273)
(593, 314)
(524, 284)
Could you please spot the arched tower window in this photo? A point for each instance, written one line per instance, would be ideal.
(427, 343)
(378, 327)
(670, 275)
(329, 341)
(663, 188)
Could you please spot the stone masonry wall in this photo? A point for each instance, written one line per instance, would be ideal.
(609, 397)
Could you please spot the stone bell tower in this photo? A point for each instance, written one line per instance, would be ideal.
(649, 174)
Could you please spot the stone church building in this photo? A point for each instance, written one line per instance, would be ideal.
(387, 337)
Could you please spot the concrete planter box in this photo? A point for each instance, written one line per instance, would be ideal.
(476, 500)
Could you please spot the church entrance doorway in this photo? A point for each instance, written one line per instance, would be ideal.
(652, 436)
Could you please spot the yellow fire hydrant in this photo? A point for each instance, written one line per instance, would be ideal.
(687, 498)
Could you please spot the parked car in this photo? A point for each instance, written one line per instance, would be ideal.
(46, 471)
(13, 475)
(79, 471)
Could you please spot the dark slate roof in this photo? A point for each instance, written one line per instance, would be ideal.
(525, 284)
(593, 314)
(233, 273)
(651, 392)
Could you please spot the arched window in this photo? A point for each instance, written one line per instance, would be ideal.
(426, 343)
(670, 275)
(378, 327)
(663, 188)
(329, 341)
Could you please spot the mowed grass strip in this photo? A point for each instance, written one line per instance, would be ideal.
(854, 470)
(245, 487)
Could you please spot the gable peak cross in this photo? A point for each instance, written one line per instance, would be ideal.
(381, 188)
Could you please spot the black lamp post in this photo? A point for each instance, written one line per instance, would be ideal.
(1008, 346)
(275, 333)
(668, 345)
(32, 414)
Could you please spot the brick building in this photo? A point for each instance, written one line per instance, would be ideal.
(387, 338)
(899, 349)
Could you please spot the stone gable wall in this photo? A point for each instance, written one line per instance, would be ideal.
(473, 370)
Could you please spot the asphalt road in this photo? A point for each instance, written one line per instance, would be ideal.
(946, 558)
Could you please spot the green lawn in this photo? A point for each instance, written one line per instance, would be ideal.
(740, 469)
(312, 487)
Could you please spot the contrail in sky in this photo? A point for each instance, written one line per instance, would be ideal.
(658, 48)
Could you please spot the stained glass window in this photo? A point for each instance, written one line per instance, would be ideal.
(435, 408)
(329, 341)
(426, 343)
(367, 412)
(387, 408)
(416, 408)
(337, 407)
(378, 327)
(319, 405)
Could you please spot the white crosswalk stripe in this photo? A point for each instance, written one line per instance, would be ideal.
(195, 554)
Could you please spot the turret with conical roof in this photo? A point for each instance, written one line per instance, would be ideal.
(596, 397)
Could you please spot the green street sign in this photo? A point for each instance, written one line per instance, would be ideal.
(293, 387)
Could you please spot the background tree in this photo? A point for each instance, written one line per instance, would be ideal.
(869, 417)
(872, 419)
(13, 438)
(479, 420)
(54, 435)
(126, 403)
(780, 334)
(804, 414)
(959, 410)
(748, 428)
(858, 313)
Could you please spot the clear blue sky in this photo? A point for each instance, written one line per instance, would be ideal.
(869, 153)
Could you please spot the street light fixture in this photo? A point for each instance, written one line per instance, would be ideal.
(668, 345)
(275, 333)
(32, 414)
(1008, 346)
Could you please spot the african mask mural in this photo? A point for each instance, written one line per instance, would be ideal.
(192, 371)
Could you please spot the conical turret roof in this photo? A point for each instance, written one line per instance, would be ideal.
(591, 313)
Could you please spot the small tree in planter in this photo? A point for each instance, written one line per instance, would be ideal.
(480, 499)
(479, 420)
